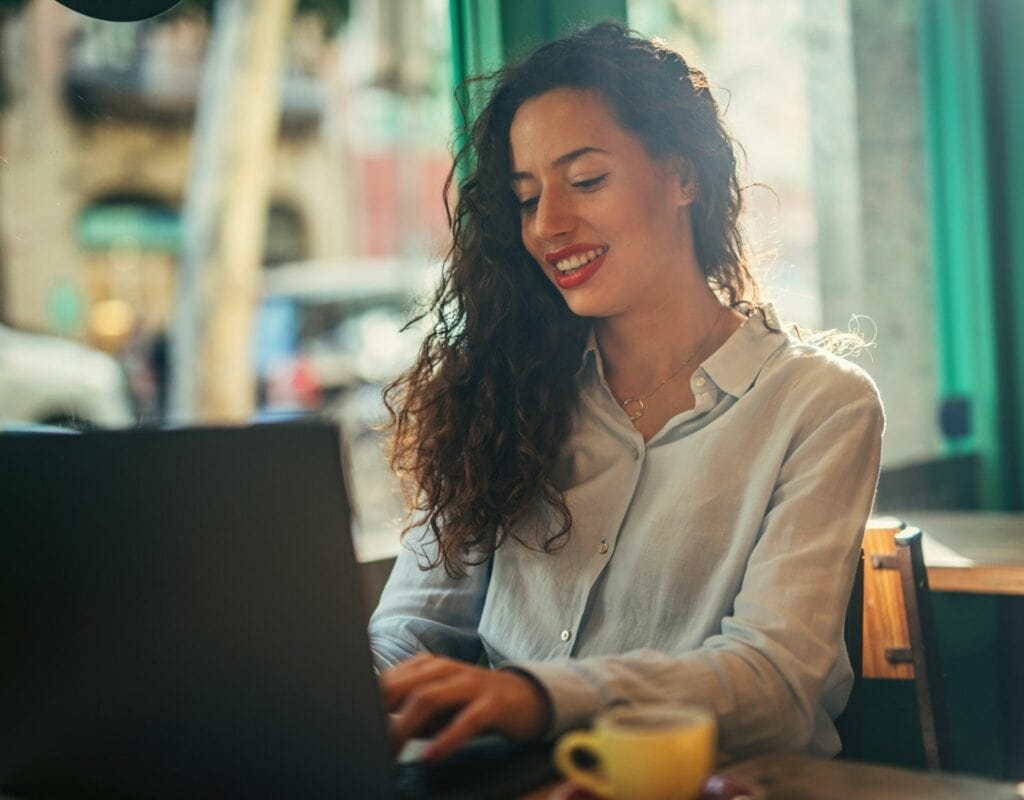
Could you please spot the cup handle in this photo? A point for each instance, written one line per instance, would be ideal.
(587, 778)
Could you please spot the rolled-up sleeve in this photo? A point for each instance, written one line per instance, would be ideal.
(426, 610)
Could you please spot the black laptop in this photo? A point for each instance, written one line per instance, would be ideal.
(181, 616)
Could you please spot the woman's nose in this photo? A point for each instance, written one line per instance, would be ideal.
(553, 217)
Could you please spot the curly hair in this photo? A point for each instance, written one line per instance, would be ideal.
(478, 422)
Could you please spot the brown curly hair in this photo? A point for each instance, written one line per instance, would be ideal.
(478, 422)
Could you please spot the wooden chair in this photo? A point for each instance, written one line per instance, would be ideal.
(924, 648)
(890, 635)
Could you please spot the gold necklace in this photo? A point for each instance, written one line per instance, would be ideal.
(641, 402)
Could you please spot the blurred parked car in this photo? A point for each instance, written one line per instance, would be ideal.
(327, 328)
(52, 381)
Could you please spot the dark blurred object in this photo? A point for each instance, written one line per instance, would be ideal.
(949, 483)
(119, 10)
(955, 417)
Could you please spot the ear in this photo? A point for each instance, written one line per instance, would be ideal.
(684, 181)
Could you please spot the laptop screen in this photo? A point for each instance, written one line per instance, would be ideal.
(181, 617)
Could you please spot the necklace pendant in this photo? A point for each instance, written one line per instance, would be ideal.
(639, 408)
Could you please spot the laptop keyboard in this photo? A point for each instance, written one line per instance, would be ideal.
(488, 767)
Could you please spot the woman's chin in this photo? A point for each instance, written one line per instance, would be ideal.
(585, 309)
(585, 303)
(590, 308)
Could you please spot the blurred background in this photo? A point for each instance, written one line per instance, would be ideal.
(229, 212)
(222, 214)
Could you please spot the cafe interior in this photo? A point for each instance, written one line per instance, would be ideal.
(164, 266)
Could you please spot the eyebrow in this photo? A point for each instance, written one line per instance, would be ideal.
(561, 161)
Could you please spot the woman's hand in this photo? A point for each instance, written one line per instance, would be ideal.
(429, 693)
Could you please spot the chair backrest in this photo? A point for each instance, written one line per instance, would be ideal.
(924, 648)
(895, 635)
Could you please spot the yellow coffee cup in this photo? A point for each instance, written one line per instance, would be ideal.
(650, 751)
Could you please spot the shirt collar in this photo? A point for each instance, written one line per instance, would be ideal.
(591, 354)
(735, 365)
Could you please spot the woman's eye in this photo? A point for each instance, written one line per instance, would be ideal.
(590, 183)
(528, 204)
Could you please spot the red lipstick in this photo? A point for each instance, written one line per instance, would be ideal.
(581, 275)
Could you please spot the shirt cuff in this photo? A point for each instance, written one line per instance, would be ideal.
(574, 695)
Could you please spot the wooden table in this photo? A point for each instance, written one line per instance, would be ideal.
(799, 777)
(971, 551)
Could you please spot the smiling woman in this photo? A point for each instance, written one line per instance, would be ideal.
(632, 483)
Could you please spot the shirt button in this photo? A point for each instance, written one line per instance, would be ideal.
(699, 381)
(566, 635)
(636, 454)
(603, 547)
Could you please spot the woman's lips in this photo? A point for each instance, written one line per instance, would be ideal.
(582, 275)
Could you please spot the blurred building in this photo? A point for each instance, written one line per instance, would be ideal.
(96, 140)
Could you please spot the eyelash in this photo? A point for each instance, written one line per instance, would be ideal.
(590, 184)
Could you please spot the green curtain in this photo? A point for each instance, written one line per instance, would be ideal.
(486, 34)
(1003, 60)
(964, 285)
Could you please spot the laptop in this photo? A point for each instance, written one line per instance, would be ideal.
(181, 616)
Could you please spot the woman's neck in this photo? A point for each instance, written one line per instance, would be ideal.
(640, 349)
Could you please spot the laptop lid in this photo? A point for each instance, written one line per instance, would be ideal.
(180, 616)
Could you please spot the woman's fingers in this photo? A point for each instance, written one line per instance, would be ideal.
(503, 702)
(475, 718)
(424, 705)
(398, 681)
(429, 692)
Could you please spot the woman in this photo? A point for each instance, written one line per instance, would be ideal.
(634, 485)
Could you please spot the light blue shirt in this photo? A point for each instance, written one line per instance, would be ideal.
(712, 564)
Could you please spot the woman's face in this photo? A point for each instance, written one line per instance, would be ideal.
(607, 223)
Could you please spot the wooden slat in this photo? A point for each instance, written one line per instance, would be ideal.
(885, 622)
